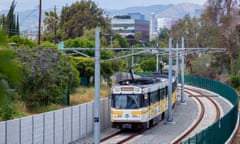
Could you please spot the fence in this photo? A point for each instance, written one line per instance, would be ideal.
(56, 127)
(222, 129)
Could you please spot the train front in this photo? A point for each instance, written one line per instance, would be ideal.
(129, 107)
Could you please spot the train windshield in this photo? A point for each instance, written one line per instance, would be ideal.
(127, 101)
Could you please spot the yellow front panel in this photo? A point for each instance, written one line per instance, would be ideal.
(117, 112)
(139, 112)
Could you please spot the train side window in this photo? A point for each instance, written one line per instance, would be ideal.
(173, 87)
(166, 91)
(158, 95)
(176, 84)
(154, 97)
(162, 94)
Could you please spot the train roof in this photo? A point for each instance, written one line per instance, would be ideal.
(156, 77)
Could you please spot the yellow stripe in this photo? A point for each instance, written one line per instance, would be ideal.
(117, 112)
(139, 112)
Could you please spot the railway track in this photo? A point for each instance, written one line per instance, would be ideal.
(121, 137)
(205, 104)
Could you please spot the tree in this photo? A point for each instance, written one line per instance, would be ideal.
(121, 41)
(11, 24)
(9, 77)
(222, 17)
(85, 66)
(47, 76)
(3, 22)
(217, 27)
(107, 71)
(235, 67)
(52, 32)
(201, 66)
(148, 65)
(21, 41)
(164, 35)
(80, 15)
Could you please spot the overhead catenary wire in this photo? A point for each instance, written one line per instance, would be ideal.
(159, 51)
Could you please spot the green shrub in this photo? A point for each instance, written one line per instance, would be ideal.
(235, 81)
(7, 112)
(47, 74)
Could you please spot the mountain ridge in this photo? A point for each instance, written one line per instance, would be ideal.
(177, 10)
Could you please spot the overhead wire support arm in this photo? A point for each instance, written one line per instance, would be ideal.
(158, 51)
(81, 53)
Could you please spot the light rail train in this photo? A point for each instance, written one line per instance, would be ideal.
(142, 102)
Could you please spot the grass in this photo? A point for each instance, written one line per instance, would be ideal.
(22, 110)
(86, 94)
(81, 95)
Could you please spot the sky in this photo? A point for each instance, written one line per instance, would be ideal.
(104, 4)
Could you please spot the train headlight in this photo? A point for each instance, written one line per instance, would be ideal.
(117, 90)
(137, 89)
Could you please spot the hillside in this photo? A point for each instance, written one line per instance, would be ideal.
(169, 11)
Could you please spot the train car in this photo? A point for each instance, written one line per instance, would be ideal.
(141, 103)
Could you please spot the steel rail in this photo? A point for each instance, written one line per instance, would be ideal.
(202, 112)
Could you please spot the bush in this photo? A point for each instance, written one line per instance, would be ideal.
(235, 81)
(22, 41)
(47, 75)
(7, 112)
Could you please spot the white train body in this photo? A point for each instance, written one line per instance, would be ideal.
(140, 103)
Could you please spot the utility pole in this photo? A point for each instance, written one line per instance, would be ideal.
(39, 21)
(55, 24)
(111, 40)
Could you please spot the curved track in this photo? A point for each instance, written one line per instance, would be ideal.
(203, 100)
(121, 137)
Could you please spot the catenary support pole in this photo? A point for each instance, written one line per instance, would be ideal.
(182, 73)
(170, 118)
(97, 88)
(176, 64)
(157, 63)
(177, 61)
(132, 57)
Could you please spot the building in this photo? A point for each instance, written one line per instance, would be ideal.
(153, 32)
(164, 23)
(128, 26)
(158, 23)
